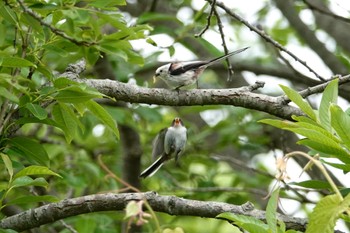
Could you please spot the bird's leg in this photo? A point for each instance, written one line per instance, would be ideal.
(178, 88)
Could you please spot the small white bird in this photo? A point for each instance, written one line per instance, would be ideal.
(179, 74)
(169, 142)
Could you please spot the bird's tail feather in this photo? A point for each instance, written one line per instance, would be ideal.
(154, 167)
(225, 56)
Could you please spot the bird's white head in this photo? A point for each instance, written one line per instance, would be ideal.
(162, 72)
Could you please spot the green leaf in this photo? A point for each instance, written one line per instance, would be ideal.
(318, 129)
(335, 152)
(314, 184)
(8, 95)
(344, 167)
(278, 123)
(242, 220)
(28, 181)
(66, 119)
(298, 100)
(37, 111)
(152, 16)
(103, 115)
(8, 164)
(326, 213)
(75, 94)
(35, 170)
(30, 149)
(16, 62)
(316, 136)
(340, 121)
(32, 199)
(271, 208)
(47, 121)
(132, 209)
(329, 96)
(8, 14)
(107, 3)
(63, 82)
(306, 120)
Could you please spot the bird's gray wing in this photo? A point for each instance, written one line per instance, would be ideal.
(158, 144)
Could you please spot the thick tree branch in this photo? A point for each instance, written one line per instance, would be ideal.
(240, 97)
(111, 202)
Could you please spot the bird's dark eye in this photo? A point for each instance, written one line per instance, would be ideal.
(161, 71)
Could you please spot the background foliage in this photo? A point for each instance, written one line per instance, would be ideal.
(53, 129)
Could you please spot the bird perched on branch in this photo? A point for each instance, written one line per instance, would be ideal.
(169, 143)
(179, 74)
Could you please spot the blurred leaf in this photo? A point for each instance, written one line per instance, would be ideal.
(32, 199)
(107, 3)
(66, 119)
(152, 16)
(28, 181)
(103, 115)
(248, 223)
(8, 95)
(37, 111)
(329, 96)
(8, 164)
(47, 121)
(132, 209)
(326, 213)
(15, 62)
(63, 82)
(30, 149)
(298, 100)
(75, 94)
(271, 211)
(35, 170)
(313, 184)
(7, 13)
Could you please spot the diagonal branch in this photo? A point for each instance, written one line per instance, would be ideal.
(52, 28)
(266, 37)
(117, 202)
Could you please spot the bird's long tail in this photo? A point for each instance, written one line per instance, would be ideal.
(225, 56)
(154, 166)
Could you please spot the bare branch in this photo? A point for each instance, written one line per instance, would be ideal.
(266, 37)
(208, 20)
(287, 8)
(314, 7)
(230, 69)
(117, 202)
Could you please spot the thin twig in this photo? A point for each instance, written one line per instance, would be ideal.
(318, 88)
(267, 38)
(208, 20)
(313, 7)
(230, 69)
(53, 29)
(111, 174)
